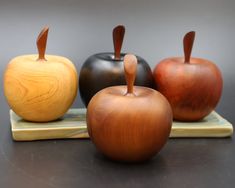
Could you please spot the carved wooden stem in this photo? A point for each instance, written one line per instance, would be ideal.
(188, 45)
(118, 36)
(130, 67)
(41, 43)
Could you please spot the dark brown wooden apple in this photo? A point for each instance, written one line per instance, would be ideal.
(106, 69)
(129, 123)
(193, 86)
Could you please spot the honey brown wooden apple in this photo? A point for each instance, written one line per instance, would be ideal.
(40, 87)
(193, 86)
(129, 123)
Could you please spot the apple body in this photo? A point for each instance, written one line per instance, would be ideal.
(129, 128)
(193, 89)
(42, 90)
(102, 70)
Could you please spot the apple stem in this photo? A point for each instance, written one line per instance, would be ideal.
(130, 67)
(41, 43)
(188, 45)
(118, 36)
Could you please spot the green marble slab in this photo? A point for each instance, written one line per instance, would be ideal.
(73, 125)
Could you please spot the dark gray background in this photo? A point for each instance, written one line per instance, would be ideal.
(154, 30)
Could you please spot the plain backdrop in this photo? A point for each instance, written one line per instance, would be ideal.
(154, 30)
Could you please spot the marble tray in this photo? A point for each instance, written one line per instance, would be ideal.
(73, 125)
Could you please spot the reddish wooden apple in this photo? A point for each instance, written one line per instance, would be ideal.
(129, 123)
(193, 86)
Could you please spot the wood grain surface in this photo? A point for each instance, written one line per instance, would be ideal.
(129, 123)
(40, 87)
(40, 91)
(193, 86)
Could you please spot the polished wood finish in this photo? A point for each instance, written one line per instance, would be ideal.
(118, 36)
(40, 90)
(73, 125)
(130, 68)
(103, 70)
(129, 127)
(194, 88)
(41, 43)
(188, 45)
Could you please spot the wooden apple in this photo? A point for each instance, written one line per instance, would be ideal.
(193, 86)
(129, 123)
(106, 69)
(40, 87)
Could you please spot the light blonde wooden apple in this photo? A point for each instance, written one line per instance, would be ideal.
(40, 87)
